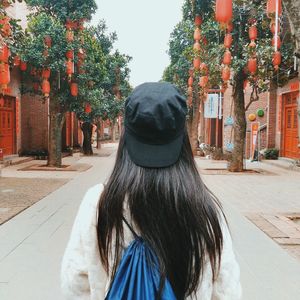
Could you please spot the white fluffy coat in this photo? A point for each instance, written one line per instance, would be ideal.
(83, 276)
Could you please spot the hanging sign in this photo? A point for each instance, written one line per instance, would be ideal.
(211, 108)
(254, 137)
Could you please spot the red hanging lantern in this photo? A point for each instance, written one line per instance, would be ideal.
(88, 108)
(70, 54)
(69, 67)
(197, 46)
(273, 27)
(223, 11)
(253, 33)
(271, 8)
(190, 81)
(81, 54)
(4, 75)
(69, 24)
(196, 63)
(48, 41)
(226, 73)
(252, 65)
(33, 71)
(276, 58)
(70, 36)
(228, 40)
(74, 89)
(278, 42)
(4, 53)
(203, 68)
(46, 88)
(203, 81)
(5, 26)
(197, 34)
(23, 66)
(17, 60)
(81, 24)
(35, 86)
(198, 20)
(227, 58)
(46, 73)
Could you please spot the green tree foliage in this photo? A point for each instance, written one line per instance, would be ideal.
(246, 13)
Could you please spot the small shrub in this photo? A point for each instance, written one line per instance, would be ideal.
(271, 153)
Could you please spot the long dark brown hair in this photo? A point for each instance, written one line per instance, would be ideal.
(174, 212)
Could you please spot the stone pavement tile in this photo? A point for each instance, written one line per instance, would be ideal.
(283, 226)
(267, 271)
(266, 226)
(287, 241)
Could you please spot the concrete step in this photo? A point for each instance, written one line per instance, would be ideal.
(14, 160)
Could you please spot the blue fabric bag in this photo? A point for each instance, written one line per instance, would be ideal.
(137, 276)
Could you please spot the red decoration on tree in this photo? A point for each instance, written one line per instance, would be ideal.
(70, 54)
(198, 20)
(69, 68)
(273, 27)
(252, 65)
(35, 86)
(223, 11)
(271, 8)
(190, 81)
(4, 76)
(276, 59)
(203, 81)
(46, 88)
(226, 73)
(88, 108)
(70, 36)
(197, 34)
(4, 53)
(228, 40)
(253, 32)
(278, 42)
(17, 60)
(48, 41)
(46, 73)
(227, 58)
(196, 63)
(203, 68)
(5, 26)
(23, 66)
(74, 89)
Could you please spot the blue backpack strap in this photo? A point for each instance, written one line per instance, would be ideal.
(130, 228)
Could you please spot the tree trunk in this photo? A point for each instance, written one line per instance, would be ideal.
(87, 129)
(99, 129)
(236, 162)
(55, 135)
(113, 131)
(202, 121)
(194, 121)
(292, 8)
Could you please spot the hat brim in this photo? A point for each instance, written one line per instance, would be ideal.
(153, 156)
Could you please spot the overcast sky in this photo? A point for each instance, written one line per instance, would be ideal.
(143, 28)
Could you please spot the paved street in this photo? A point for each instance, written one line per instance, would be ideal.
(32, 243)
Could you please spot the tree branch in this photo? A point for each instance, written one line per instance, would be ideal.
(253, 98)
